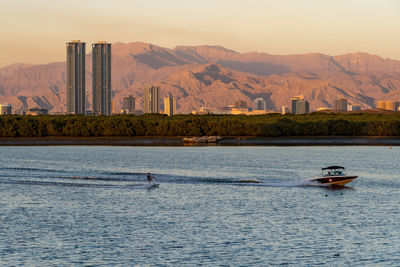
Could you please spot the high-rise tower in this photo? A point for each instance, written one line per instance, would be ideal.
(128, 105)
(76, 51)
(299, 105)
(260, 104)
(152, 99)
(170, 106)
(101, 67)
(340, 104)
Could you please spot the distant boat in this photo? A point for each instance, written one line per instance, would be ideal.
(202, 139)
(334, 175)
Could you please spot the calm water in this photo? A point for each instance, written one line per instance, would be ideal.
(90, 206)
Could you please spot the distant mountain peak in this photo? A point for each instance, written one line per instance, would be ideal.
(212, 72)
(13, 68)
(205, 47)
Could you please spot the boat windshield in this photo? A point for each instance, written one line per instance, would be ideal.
(333, 172)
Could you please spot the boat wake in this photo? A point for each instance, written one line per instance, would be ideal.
(131, 180)
(71, 184)
(280, 183)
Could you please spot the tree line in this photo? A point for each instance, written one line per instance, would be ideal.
(269, 125)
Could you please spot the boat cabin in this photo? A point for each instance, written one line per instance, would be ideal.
(333, 171)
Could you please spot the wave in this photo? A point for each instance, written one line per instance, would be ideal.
(50, 183)
(141, 177)
(29, 169)
(118, 176)
(122, 173)
(94, 185)
(109, 179)
(116, 173)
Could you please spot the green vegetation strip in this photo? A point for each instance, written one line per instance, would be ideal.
(270, 125)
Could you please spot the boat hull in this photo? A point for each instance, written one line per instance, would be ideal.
(334, 180)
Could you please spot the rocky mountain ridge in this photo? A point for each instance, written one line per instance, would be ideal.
(213, 76)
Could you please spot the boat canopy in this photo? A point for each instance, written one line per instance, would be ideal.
(333, 168)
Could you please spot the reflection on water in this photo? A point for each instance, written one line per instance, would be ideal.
(215, 206)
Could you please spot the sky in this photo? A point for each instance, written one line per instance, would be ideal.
(36, 31)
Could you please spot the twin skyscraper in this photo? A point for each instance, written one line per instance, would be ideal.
(101, 78)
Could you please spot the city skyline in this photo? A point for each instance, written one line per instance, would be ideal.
(209, 84)
(274, 27)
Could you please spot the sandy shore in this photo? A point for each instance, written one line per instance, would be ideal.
(177, 141)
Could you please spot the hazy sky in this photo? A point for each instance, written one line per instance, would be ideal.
(35, 31)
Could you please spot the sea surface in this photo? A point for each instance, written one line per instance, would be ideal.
(90, 205)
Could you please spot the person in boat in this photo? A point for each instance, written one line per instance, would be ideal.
(150, 178)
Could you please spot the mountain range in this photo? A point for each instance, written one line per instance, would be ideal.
(212, 77)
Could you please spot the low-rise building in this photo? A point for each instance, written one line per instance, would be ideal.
(36, 111)
(201, 111)
(388, 105)
(90, 113)
(284, 110)
(5, 109)
(324, 109)
(352, 107)
(248, 111)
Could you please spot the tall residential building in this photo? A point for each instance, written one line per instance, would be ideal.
(340, 105)
(260, 104)
(299, 105)
(101, 83)
(128, 105)
(76, 52)
(170, 106)
(5, 109)
(152, 99)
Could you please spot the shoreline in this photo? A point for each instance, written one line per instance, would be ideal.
(226, 141)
